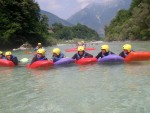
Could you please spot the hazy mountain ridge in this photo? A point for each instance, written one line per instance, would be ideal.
(97, 15)
(54, 19)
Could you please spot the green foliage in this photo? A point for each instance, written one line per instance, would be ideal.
(20, 21)
(78, 31)
(132, 24)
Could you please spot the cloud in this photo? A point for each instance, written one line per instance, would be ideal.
(66, 8)
(84, 3)
(49, 4)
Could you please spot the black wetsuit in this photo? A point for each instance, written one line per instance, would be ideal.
(122, 54)
(100, 55)
(77, 56)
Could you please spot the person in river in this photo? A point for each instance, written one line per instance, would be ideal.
(104, 52)
(57, 54)
(10, 57)
(39, 46)
(39, 56)
(83, 44)
(2, 55)
(127, 48)
(81, 54)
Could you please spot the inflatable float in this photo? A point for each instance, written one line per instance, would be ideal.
(6, 63)
(137, 56)
(75, 49)
(64, 61)
(111, 59)
(41, 64)
(86, 61)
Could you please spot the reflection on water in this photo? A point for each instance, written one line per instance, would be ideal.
(94, 88)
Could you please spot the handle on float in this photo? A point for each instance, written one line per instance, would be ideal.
(24, 60)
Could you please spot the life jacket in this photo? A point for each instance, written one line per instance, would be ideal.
(39, 59)
(105, 54)
(61, 55)
(56, 58)
(78, 56)
(13, 57)
(3, 57)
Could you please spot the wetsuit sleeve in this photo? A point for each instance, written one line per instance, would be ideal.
(15, 60)
(88, 55)
(33, 60)
(74, 56)
(112, 53)
(122, 55)
(99, 55)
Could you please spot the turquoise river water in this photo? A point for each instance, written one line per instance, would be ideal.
(93, 88)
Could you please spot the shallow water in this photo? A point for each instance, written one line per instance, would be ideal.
(94, 88)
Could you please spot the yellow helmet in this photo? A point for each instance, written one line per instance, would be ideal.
(8, 53)
(39, 44)
(80, 48)
(57, 51)
(1, 52)
(105, 47)
(127, 47)
(82, 41)
(41, 51)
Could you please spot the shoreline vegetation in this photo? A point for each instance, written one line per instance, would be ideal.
(21, 22)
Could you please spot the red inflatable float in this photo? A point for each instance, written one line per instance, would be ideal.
(6, 63)
(86, 61)
(137, 56)
(41, 64)
(75, 49)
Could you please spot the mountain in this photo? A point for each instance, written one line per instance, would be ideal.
(54, 19)
(97, 15)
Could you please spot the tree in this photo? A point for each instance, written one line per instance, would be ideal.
(20, 21)
(133, 24)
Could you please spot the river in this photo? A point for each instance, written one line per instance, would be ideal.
(94, 88)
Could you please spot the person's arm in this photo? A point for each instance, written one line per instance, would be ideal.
(99, 55)
(15, 60)
(88, 55)
(33, 60)
(74, 56)
(122, 55)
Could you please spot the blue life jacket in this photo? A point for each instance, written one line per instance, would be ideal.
(13, 57)
(39, 59)
(103, 55)
(78, 56)
(3, 57)
(56, 58)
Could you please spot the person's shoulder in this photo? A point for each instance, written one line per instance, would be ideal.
(111, 52)
(14, 56)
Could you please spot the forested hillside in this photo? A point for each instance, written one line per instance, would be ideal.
(75, 32)
(21, 21)
(132, 24)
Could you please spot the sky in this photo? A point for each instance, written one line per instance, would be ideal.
(65, 8)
